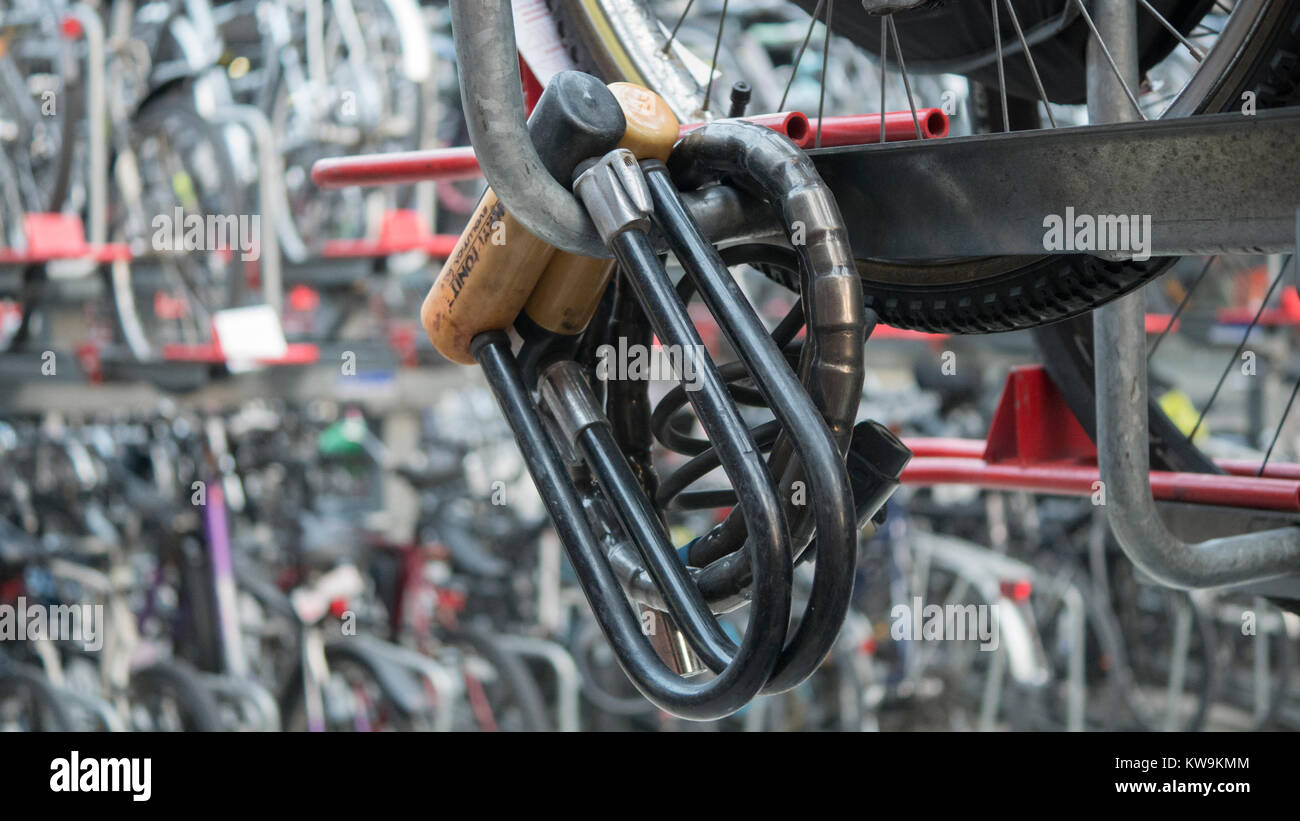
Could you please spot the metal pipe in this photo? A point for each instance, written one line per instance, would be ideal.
(460, 162)
(764, 636)
(1251, 492)
(568, 680)
(397, 168)
(1123, 454)
(268, 165)
(863, 129)
(1123, 439)
(97, 183)
(763, 161)
(817, 450)
(493, 100)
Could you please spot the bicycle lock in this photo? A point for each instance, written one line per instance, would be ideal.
(592, 469)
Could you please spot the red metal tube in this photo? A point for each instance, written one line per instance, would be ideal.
(450, 164)
(862, 129)
(1078, 480)
(793, 124)
(853, 129)
(945, 446)
(1273, 470)
(955, 448)
(397, 168)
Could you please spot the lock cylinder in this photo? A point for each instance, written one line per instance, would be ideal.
(496, 263)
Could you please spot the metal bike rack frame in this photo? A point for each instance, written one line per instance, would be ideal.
(268, 165)
(98, 122)
(1034, 443)
(1231, 188)
(568, 680)
(1121, 386)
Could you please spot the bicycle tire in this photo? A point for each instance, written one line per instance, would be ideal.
(1008, 293)
(52, 711)
(199, 709)
(342, 662)
(296, 245)
(162, 112)
(1207, 688)
(523, 689)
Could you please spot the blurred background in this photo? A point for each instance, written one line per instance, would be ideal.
(314, 522)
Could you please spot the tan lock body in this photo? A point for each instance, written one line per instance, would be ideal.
(570, 288)
(496, 262)
(494, 266)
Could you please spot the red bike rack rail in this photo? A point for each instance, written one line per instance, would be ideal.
(401, 230)
(60, 236)
(210, 353)
(1287, 312)
(1035, 444)
(449, 164)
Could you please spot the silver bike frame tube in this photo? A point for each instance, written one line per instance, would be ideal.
(1123, 440)
(493, 100)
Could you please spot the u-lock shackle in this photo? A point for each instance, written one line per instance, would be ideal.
(628, 201)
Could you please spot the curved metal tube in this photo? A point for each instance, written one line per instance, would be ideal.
(490, 90)
(767, 164)
(572, 402)
(816, 449)
(753, 664)
(1123, 446)
(1123, 439)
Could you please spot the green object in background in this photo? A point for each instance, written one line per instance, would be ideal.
(183, 188)
(345, 437)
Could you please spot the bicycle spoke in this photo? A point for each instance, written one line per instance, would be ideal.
(1029, 58)
(1128, 92)
(1196, 53)
(717, 44)
(1240, 346)
(1278, 430)
(826, 59)
(884, 62)
(907, 86)
(1173, 318)
(678, 25)
(798, 58)
(1002, 78)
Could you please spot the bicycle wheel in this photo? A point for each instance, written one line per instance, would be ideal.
(370, 104)
(514, 699)
(1253, 51)
(168, 696)
(28, 702)
(1171, 647)
(1257, 657)
(41, 105)
(179, 170)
